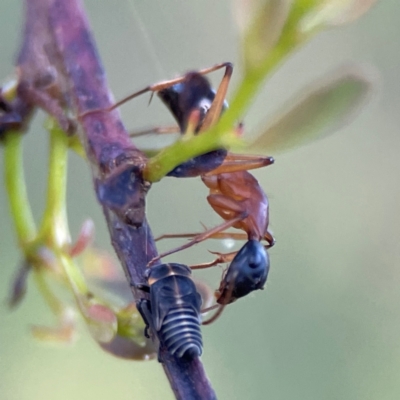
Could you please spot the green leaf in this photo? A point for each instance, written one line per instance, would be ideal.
(332, 13)
(261, 24)
(322, 110)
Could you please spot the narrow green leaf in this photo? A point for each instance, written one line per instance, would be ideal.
(334, 13)
(261, 24)
(320, 111)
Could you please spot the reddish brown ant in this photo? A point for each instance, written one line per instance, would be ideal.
(239, 199)
(234, 193)
(196, 107)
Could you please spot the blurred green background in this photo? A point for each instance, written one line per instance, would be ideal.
(328, 325)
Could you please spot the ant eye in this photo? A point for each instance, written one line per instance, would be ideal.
(205, 105)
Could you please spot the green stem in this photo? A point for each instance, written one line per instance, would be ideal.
(242, 99)
(21, 212)
(54, 228)
(75, 278)
(55, 223)
(184, 149)
(253, 80)
(50, 298)
(223, 135)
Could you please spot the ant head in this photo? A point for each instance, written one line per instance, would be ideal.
(247, 272)
(194, 93)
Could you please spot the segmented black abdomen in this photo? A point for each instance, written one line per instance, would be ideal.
(181, 333)
(173, 311)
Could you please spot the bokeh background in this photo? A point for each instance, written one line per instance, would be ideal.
(328, 325)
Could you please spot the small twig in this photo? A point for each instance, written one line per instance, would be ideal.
(59, 69)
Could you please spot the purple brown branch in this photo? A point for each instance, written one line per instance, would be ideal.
(60, 71)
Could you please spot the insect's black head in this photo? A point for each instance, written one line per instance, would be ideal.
(247, 272)
(161, 271)
(194, 93)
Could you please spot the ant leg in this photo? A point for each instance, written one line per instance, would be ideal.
(223, 298)
(151, 88)
(216, 314)
(154, 88)
(156, 130)
(221, 259)
(214, 112)
(241, 162)
(199, 238)
(207, 309)
(217, 235)
(223, 304)
(176, 236)
(216, 67)
(270, 240)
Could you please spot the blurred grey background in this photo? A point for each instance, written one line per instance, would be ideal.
(327, 326)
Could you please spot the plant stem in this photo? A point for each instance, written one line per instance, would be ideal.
(54, 228)
(49, 297)
(254, 78)
(222, 135)
(16, 189)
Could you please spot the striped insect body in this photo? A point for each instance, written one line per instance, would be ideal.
(173, 311)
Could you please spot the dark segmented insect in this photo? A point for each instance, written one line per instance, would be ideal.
(173, 311)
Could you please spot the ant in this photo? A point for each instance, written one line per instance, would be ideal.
(239, 199)
(234, 193)
(196, 107)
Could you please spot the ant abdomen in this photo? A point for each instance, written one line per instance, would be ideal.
(247, 272)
